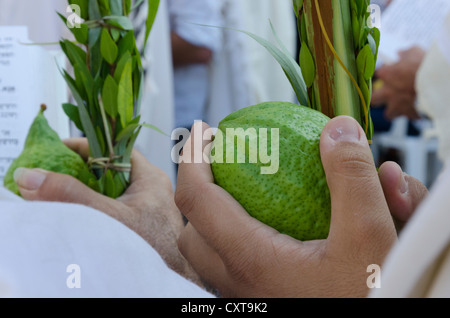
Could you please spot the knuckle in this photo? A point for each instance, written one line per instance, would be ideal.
(56, 187)
(351, 161)
(186, 198)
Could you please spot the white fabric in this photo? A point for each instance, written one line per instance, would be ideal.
(185, 17)
(412, 264)
(192, 82)
(230, 71)
(419, 265)
(268, 81)
(433, 91)
(244, 73)
(39, 15)
(39, 241)
(158, 100)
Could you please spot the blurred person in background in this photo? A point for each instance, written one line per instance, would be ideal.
(219, 70)
(193, 48)
(398, 93)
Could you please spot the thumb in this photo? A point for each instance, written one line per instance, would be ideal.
(357, 199)
(41, 185)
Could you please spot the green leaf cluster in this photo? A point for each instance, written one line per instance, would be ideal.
(107, 85)
(366, 41)
(359, 49)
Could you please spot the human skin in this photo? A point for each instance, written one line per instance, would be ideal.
(185, 53)
(398, 91)
(241, 257)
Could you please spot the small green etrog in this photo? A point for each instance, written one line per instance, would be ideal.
(45, 150)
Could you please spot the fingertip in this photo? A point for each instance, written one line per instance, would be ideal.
(342, 129)
(78, 145)
(391, 175)
(29, 179)
(396, 190)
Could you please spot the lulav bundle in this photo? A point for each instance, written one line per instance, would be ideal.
(107, 85)
(339, 49)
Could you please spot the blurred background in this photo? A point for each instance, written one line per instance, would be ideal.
(196, 72)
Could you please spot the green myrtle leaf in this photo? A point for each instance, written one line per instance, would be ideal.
(125, 58)
(129, 149)
(375, 34)
(119, 184)
(126, 6)
(366, 91)
(121, 22)
(127, 43)
(125, 100)
(298, 5)
(84, 7)
(108, 47)
(116, 7)
(96, 59)
(94, 36)
(365, 62)
(303, 31)
(88, 127)
(109, 185)
(74, 114)
(94, 10)
(80, 33)
(139, 93)
(109, 96)
(356, 30)
(127, 132)
(153, 6)
(307, 65)
(100, 138)
(115, 34)
(79, 82)
(73, 52)
(104, 7)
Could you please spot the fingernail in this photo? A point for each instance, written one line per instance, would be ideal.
(29, 179)
(404, 186)
(344, 129)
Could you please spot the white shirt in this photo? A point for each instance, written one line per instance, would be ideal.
(192, 82)
(67, 250)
